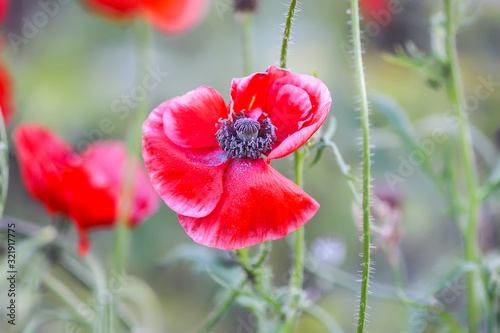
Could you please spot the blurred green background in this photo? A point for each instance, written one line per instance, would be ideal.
(72, 71)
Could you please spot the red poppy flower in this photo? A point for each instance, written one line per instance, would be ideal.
(5, 93)
(85, 187)
(171, 16)
(4, 4)
(371, 8)
(210, 163)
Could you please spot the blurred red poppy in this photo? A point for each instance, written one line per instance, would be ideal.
(85, 187)
(171, 16)
(372, 8)
(4, 5)
(6, 103)
(218, 179)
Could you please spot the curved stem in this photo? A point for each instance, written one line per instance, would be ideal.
(365, 127)
(456, 96)
(286, 33)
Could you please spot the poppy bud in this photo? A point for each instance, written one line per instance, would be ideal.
(246, 5)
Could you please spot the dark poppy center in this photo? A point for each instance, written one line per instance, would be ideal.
(245, 137)
(247, 128)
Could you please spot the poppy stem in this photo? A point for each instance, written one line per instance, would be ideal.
(286, 33)
(4, 165)
(365, 128)
(456, 97)
(246, 39)
(295, 290)
(121, 244)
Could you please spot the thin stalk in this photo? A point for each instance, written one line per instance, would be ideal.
(298, 270)
(456, 96)
(246, 39)
(365, 127)
(286, 33)
(4, 165)
(121, 243)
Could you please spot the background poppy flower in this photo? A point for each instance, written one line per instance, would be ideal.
(6, 103)
(171, 16)
(218, 179)
(371, 8)
(4, 6)
(85, 187)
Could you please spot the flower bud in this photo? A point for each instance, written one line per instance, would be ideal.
(246, 5)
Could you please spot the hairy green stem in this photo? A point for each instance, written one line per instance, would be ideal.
(456, 96)
(365, 127)
(286, 33)
(298, 269)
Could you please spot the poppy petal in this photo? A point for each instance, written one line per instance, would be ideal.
(42, 156)
(120, 9)
(6, 103)
(104, 163)
(190, 120)
(299, 104)
(251, 92)
(258, 204)
(189, 181)
(174, 16)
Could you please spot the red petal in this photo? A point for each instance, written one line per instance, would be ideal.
(298, 105)
(104, 164)
(175, 16)
(91, 198)
(42, 158)
(95, 187)
(258, 204)
(6, 103)
(371, 8)
(4, 5)
(190, 120)
(189, 181)
(250, 92)
(122, 9)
